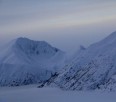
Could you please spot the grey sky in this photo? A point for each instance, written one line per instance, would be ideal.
(64, 23)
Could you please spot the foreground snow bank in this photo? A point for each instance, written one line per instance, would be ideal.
(33, 94)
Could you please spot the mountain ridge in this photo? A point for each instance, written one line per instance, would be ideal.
(92, 69)
(28, 62)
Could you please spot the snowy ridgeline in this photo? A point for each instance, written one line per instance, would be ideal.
(93, 68)
(25, 61)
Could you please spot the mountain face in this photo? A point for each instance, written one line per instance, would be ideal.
(93, 68)
(25, 61)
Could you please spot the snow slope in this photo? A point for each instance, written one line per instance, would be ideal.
(33, 94)
(24, 61)
(92, 69)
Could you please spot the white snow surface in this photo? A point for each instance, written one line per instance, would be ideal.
(92, 68)
(24, 61)
(32, 94)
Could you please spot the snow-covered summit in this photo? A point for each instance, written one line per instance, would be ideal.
(27, 50)
(24, 61)
(34, 47)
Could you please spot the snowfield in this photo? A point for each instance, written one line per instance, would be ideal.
(27, 62)
(92, 68)
(33, 94)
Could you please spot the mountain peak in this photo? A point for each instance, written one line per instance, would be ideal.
(34, 47)
(23, 40)
(27, 61)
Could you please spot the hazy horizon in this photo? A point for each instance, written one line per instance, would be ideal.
(63, 24)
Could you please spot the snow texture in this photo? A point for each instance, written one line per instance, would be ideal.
(25, 61)
(93, 68)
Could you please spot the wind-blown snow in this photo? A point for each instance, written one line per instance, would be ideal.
(25, 61)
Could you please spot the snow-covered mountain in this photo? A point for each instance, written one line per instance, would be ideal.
(25, 61)
(92, 68)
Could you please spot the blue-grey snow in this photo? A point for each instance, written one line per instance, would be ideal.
(24, 61)
(32, 94)
(93, 68)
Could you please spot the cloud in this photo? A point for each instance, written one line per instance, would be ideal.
(54, 19)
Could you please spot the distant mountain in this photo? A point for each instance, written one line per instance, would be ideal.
(25, 61)
(93, 68)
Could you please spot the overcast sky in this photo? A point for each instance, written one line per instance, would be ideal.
(65, 24)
